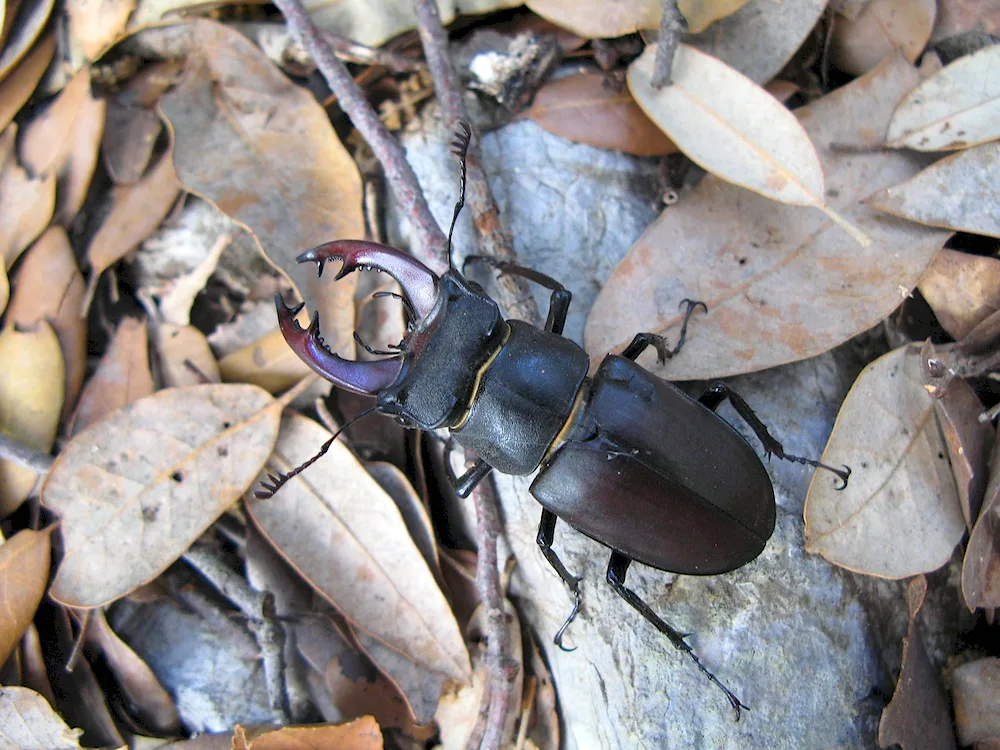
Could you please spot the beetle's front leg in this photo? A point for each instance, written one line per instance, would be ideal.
(719, 392)
(558, 302)
(643, 340)
(617, 570)
(546, 535)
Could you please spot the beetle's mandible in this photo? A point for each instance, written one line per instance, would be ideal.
(622, 456)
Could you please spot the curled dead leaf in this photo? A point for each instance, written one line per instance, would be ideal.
(137, 489)
(28, 202)
(882, 27)
(31, 396)
(17, 87)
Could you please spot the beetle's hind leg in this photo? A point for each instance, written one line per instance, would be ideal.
(663, 350)
(617, 570)
(719, 392)
(546, 535)
(558, 302)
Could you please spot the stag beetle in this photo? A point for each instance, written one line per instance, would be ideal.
(622, 456)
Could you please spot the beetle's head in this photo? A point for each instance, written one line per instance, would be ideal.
(455, 330)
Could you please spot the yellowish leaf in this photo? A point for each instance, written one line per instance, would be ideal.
(24, 572)
(957, 107)
(97, 24)
(268, 362)
(900, 514)
(596, 19)
(138, 488)
(699, 14)
(31, 396)
(185, 356)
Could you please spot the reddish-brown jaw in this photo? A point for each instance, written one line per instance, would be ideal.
(368, 378)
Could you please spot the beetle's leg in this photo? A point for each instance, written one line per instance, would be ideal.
(663, 351)
(465, 484)
(558, 302)
(719, 392)
(617, 570)
(546, 535)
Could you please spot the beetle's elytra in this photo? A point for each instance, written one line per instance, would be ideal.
(622, 456)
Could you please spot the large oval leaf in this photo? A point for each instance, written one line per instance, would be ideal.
(340, 530)
(138, 488)
(899, 514)
(781, 283)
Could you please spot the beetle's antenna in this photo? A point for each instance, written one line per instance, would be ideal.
(279, 480)
(460, 148)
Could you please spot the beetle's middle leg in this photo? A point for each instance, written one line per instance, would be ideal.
(617, 570)
(719, 392)
(558, 302)
(663, 351)
(546, 535)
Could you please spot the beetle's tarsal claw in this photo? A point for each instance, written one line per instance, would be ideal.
(572, 616)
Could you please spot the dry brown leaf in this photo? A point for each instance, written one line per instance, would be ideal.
(962, 289)
(185, 356)
(33, 671)
(597, 19)
(360, 734)
(337, 527)
(121, 378)
(31, 396)
(24, 573)
(136, 211)
(590, 108)
(981, 567)
(959, 192)
(976, 693)
(147, 699)
(705, 113)
(970, 443)
(268, 362)
(49, 286)
(959, 16)
(918, 715)
(263, 150)
(420, 686)
(65, 140)
(781, 283)
(18, 86)
(881, 28)
(28, 721)
(899, 515)
(761, 37)
(24, 29)
(957, 107)
(138, 488)
(133, 124)
(27, 202)
(97, 24)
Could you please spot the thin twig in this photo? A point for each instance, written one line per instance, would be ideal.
(672, 27)
(501, 670)
(24, 455)
(495, 242)
(386, 149)
(258, 608)
(352, 51)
